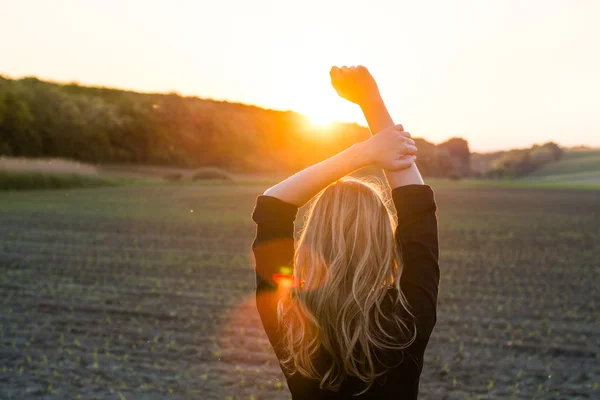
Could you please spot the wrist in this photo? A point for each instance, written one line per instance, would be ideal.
(359, 154)
(372, 102)
(377, 115)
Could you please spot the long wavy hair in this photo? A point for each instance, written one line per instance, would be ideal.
(345, 262)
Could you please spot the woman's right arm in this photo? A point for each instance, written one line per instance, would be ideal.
(417, 239)
(416, 233)
(379, 118)
(358, 86)
(417, 230)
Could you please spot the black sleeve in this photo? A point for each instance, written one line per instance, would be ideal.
(273, 250)
(417, 239)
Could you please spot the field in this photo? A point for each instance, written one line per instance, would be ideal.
(146, 292)
(581, 166)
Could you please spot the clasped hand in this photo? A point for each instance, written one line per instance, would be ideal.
(391, 149)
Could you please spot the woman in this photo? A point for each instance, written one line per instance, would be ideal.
(350, 307)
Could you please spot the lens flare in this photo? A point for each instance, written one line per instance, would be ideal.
(284, 281)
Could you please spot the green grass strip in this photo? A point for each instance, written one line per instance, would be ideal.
(35, 180)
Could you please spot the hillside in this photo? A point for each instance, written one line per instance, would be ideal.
(108, 126)
(576, 166)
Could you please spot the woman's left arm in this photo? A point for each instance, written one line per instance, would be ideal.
(274, 214)
(383, 150)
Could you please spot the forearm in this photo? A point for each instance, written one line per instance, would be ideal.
(302, 186)
(378, 119)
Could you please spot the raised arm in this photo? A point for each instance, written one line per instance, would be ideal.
(417, 230)
(390, 149)
(357, 85)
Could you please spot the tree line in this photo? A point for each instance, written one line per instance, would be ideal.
(514, 163)
(104, 125)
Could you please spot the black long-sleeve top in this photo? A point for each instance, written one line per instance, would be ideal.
(417, 238)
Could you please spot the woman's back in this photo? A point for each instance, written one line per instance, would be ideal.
(400, 382)
(417, 242)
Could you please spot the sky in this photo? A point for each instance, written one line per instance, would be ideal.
(502, 74)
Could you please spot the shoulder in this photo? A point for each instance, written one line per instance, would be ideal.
(413, 199)
(269, 208)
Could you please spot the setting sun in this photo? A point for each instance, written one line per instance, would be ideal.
(320, 120)
(327, 108)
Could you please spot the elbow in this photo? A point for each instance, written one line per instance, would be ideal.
(268, 191)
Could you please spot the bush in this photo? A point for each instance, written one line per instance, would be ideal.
(454, 176)
(34, 180)
(211, 173)
(173, 177)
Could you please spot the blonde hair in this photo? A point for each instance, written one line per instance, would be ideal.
(345, 262)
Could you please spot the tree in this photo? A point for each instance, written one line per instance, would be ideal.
(459, 153)
(16, 136)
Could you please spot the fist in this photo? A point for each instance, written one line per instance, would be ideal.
(355, 84)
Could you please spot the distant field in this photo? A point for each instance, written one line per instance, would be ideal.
(147, 293)
(20, 173)
(576, 167)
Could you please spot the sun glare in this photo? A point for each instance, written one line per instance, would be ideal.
(320, 120)
(326, 113)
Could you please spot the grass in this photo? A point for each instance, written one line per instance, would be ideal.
(53, 173)
(35, 180)
(211, 173)
(147, 292)
(576, 167)
(32, 174)
(521, 183)
(54, 166)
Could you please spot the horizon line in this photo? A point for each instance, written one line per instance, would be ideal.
(239, 102)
